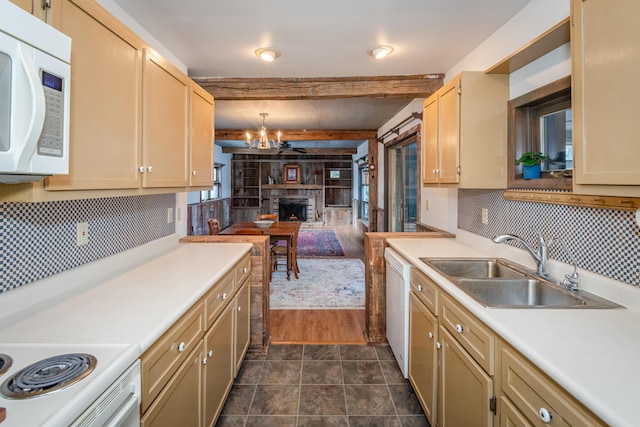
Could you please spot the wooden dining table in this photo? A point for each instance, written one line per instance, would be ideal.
(279, 230)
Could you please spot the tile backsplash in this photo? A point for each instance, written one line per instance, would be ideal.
(38, 240)
(604, 241)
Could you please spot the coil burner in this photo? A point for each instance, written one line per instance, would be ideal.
(48, 375)
(5, 363)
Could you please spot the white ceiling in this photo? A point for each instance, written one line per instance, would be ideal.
(328, 38)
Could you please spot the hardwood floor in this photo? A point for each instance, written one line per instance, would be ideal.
(323, 326)
(317, 326)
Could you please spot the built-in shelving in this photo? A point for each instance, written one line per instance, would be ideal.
(257, 182)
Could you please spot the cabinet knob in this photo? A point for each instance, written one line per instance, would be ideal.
(204, 361)
(194, 173)
(419, 288)
(430, 334)
(245, 270)
(224, 296)
(459, 328)
(181, 347)
(210, 354)
(438, 345)
(141, 169)
(545, 415)
(150, 168)
(239, 308)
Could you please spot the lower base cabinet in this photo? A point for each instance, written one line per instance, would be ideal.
(180, 402)
(465, 389)
(218, 365)
(464, 375)
(193, 394)
(423, 356)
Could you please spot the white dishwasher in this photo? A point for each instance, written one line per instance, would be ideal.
(398, 286)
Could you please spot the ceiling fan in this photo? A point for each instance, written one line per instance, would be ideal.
(287, 147)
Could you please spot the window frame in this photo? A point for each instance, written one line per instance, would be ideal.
(362, 203)
(524, 134)
(207, 195)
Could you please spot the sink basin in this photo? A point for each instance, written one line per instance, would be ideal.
(476, 268)
(498, 283)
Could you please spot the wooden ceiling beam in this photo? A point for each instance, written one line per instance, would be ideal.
(302, 135)
(409, 86)
(309, 151)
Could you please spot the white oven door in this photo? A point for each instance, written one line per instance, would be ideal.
(118, 406)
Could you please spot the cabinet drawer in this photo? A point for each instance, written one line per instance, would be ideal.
(425, 289)
(474, 336)
(243, 270)
(163, 359)
(531, 391)
(217, 297)
(510, 416)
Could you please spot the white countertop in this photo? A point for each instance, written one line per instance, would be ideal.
(134, 306)
(115, 308)
(592, 353)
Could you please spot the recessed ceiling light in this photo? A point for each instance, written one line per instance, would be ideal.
(381, 51)
(267, 54)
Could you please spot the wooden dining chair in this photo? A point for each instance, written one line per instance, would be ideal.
(214, 226)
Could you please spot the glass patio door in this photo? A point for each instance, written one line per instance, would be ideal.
(403, 179)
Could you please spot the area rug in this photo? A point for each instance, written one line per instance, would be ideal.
(323, 284)
(318, 243)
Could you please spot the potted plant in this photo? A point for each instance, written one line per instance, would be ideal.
(531, 164)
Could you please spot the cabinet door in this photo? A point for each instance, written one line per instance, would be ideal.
(106, 90)
(219, 367)
(423, 363)
(201, 143)
(180, 403)
(465, 389)
(430, 140)
(606, 100)
(242, 325)
(165, 139)
(449, 133)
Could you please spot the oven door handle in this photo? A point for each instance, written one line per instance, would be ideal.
(127, 409)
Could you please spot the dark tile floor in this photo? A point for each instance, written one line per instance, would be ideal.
(322, 385)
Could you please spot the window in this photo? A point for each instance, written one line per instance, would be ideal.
(363, 212)
(542, 120)
(216, 192)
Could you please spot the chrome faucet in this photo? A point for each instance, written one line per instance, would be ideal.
(541, 256)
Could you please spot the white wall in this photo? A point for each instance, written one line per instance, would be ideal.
(123, 16)
(534, 19)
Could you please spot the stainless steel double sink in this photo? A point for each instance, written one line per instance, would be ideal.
(496, 282)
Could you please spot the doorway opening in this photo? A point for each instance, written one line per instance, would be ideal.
(402, 184)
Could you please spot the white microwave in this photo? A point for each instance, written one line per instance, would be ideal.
(35, 77)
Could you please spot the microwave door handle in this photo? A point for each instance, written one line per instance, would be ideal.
(36, 121)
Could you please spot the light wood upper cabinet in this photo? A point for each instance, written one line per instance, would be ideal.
(605, 59)
(430, 140)
(138, 125)
(106, 89)
(165, 123)
(201, 141)
(465, 131)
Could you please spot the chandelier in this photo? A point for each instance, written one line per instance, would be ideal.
(263, 142)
